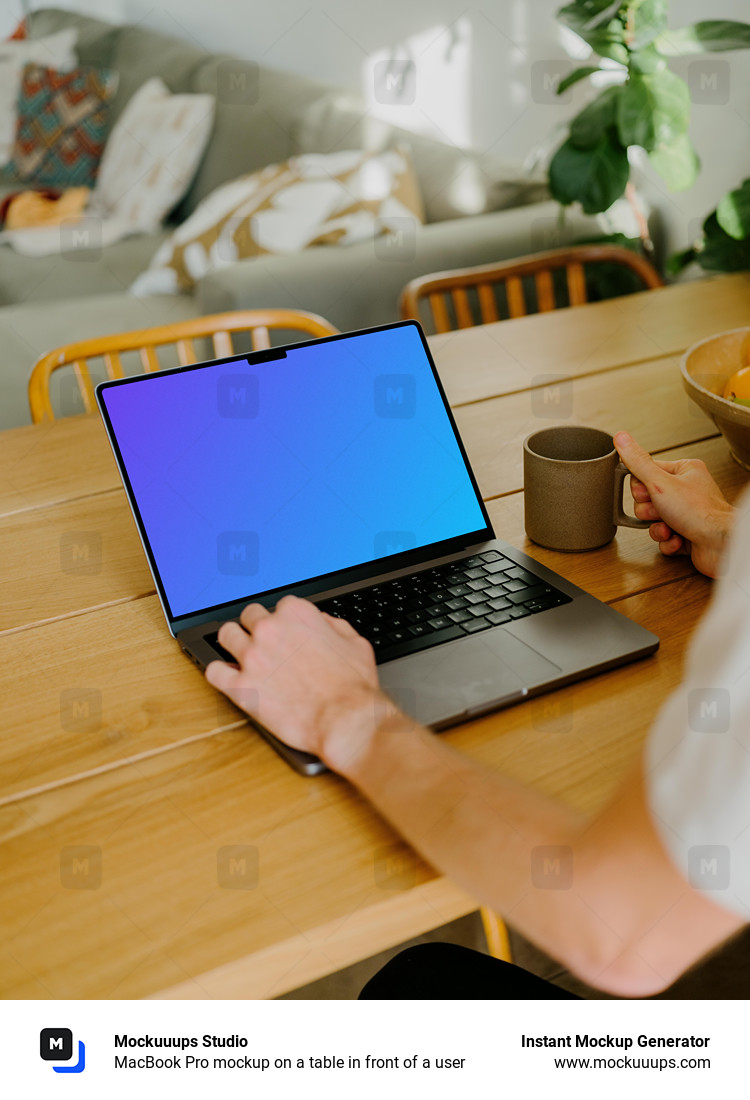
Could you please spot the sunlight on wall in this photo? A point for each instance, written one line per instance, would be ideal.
(422, 83)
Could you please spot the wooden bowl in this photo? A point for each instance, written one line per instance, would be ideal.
(706, 367)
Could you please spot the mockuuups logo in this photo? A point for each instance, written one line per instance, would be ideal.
(56, 1045)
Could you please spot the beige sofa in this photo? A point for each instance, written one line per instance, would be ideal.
(478, 209)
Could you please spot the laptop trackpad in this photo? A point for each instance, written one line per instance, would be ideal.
(440, 684)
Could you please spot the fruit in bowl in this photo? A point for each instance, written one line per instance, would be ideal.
(716, 375)
(738, 387)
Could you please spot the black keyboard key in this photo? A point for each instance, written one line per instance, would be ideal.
(480, 609)
(500, 603)
(544, 602)
(498, 617)
(498, 566)
(459, 589)
(523, 575)
(416, 616)
(457, 604)
(514, 585)
(518, 612)
(478, 585)
(473, 626)
(529, 593)
(414, 645)
(419, 629)
(459, 616)
(439, 622)
(476, 597)
(398, 636)
(474, 574)
(495, 590)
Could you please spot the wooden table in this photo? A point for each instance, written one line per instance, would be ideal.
(124, 778)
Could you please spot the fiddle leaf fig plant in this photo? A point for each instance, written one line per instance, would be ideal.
(649, 107)
(725, 244)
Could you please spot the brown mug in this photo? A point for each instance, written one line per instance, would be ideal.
(573, 484)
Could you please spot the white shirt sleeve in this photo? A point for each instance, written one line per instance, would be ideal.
(697, 759)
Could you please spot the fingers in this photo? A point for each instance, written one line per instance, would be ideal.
(234, 639)
(222, 676)
(252, 614)
(646, 511)
(638, 461)
(674, 545)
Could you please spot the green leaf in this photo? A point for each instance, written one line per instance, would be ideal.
(592, 23)
(573, 78)
(733, 212)
(677, 164)
(712, 36)
(678, 261)
(722, 252)
(594, 177)
(653, 110)
(649, 20)
(647, 60)
(594, 120)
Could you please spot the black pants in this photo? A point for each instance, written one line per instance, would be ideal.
(444, 971)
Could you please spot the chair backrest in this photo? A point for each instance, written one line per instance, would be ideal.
(178, 339)
(493, 292)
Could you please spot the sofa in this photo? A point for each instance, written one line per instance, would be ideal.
(477, 209)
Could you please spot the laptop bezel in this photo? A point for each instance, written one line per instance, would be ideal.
(367, 571)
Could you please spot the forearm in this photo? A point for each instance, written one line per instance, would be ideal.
(626, 921)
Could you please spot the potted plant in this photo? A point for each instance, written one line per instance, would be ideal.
(648, 108)
(725, 245)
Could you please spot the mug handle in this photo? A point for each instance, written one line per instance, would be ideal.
(620, 516)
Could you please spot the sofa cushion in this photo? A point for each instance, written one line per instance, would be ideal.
(330, 199)
(75, 273)
(62, 122)
(55, 50)
(152, 154)
(454, 181)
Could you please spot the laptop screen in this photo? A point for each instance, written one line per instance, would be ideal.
(250, 476)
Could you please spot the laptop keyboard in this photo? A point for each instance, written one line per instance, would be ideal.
(425, 609)
(439, 605)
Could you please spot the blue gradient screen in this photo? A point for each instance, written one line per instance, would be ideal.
(254, 477)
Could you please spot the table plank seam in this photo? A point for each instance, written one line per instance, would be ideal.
(572, 378)
(103, 769)
(76, 614)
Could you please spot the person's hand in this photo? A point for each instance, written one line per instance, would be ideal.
(689, 512)
(307, 677)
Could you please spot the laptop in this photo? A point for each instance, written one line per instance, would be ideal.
(333, 469)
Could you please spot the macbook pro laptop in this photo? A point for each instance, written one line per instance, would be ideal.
(333, 469)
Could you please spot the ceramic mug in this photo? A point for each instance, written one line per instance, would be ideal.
(573, 485)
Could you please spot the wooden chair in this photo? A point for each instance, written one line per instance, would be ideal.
(149, 342)
(514, 288)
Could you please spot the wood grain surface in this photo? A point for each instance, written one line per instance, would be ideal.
(114, 750)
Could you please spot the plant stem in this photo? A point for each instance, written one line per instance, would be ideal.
(643, 230)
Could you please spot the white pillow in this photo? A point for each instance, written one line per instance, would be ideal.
(57, 51)
(152, 155)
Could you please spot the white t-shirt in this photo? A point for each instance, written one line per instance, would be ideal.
(698, 755)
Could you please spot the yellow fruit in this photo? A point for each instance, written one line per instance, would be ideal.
(738, 387)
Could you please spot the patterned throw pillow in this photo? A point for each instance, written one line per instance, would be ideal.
(315, 199)
(62, 124)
